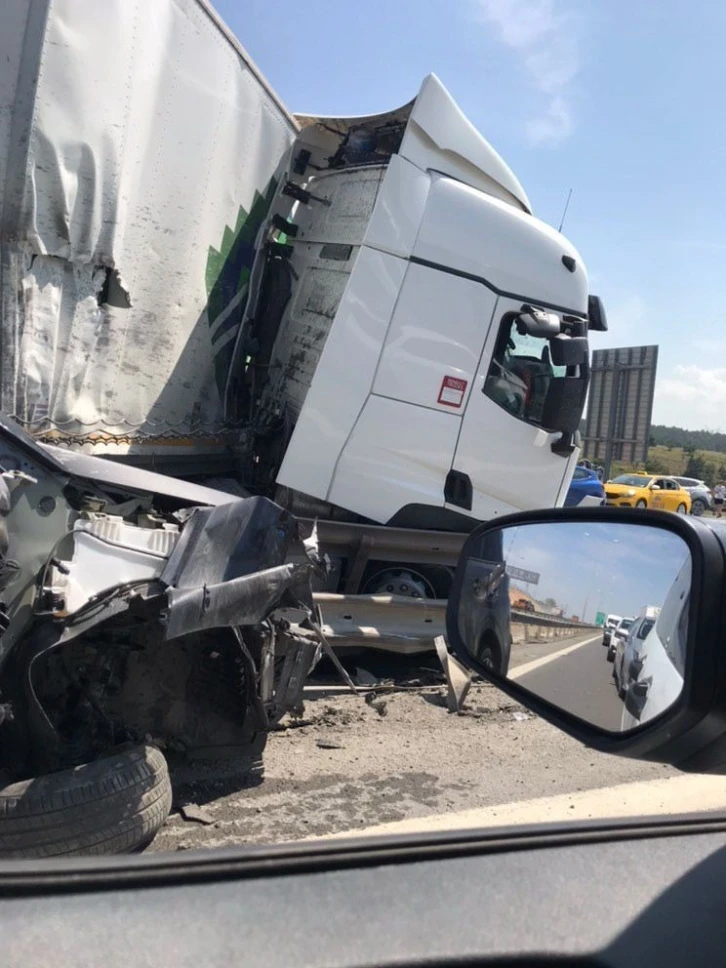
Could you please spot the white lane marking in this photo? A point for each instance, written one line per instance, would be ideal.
(538, 663)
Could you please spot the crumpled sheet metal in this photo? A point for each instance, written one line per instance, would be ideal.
(247, 600)
(230, 569)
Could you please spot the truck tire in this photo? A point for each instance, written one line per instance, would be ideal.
(113, 805)
(409, 580)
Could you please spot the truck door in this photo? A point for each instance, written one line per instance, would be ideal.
(503, 452)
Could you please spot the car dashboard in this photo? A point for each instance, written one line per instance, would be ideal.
(620, 894)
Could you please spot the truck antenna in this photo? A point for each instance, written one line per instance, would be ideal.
(564, 212)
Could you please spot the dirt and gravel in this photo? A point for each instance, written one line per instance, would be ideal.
(348, 763)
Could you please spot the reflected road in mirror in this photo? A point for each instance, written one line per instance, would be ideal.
(592, 617)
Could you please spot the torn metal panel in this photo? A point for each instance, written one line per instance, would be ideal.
(230, 541)
(240, 601)
(116, 474)
(458, 679)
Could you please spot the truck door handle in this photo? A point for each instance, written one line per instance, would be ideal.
(458, 490)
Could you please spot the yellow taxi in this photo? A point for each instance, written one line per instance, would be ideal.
(647, 491)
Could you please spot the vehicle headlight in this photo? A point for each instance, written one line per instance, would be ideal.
(630, 493)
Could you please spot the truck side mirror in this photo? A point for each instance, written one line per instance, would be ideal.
(568, 351)
(536, 322)
(597, 320)
(562, 409)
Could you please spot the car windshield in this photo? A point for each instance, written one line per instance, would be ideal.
(267, 375)
(631, 480)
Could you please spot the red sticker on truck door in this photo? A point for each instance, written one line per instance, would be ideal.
(452, 391)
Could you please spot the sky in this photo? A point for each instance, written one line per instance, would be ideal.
(589, 568)
(620, 100)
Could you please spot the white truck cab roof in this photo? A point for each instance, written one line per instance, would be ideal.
(439, 137)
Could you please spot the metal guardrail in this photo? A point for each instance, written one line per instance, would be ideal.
(361, 543)
(394, 623)
(538, 618)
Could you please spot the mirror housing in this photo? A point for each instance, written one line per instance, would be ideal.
(691, 733)
(562, 409)
(569, 350)
(597, 320)
(537, 322)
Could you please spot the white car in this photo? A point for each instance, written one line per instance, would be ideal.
(619, 632)
(611, 623)
(629, 647)
(701, 494)
(658, 681)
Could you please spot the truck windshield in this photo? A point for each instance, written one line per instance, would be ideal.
(520, 373)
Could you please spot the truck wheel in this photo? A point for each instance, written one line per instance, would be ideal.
(110, 806)
(411, 581)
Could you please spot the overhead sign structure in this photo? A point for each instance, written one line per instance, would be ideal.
(528, 577)
(620, 405)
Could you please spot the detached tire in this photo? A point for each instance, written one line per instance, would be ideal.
(110, 806)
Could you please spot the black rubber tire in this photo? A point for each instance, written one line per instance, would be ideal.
(641, 504)
(681, 509)
(111, 806)
(698, 508)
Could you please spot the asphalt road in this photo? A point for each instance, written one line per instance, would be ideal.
(576, 676)
(348, 764)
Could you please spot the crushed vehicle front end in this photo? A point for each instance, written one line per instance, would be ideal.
(141, 612)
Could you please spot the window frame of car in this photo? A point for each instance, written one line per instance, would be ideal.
(645, 621)
(686, 482)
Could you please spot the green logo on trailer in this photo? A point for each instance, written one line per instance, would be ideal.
(227, 276)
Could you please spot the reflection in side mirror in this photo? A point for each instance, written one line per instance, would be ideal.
(538, 601)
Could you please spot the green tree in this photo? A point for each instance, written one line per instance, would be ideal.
(695, 465)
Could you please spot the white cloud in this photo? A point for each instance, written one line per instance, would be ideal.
(547, 40)
(693, 397)
(551, 127)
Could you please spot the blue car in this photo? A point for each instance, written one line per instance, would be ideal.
(585, 482)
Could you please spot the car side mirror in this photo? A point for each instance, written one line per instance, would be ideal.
(590, 563)
(654, 487)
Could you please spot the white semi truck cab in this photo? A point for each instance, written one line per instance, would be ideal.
(415, 350)
(358, 316)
